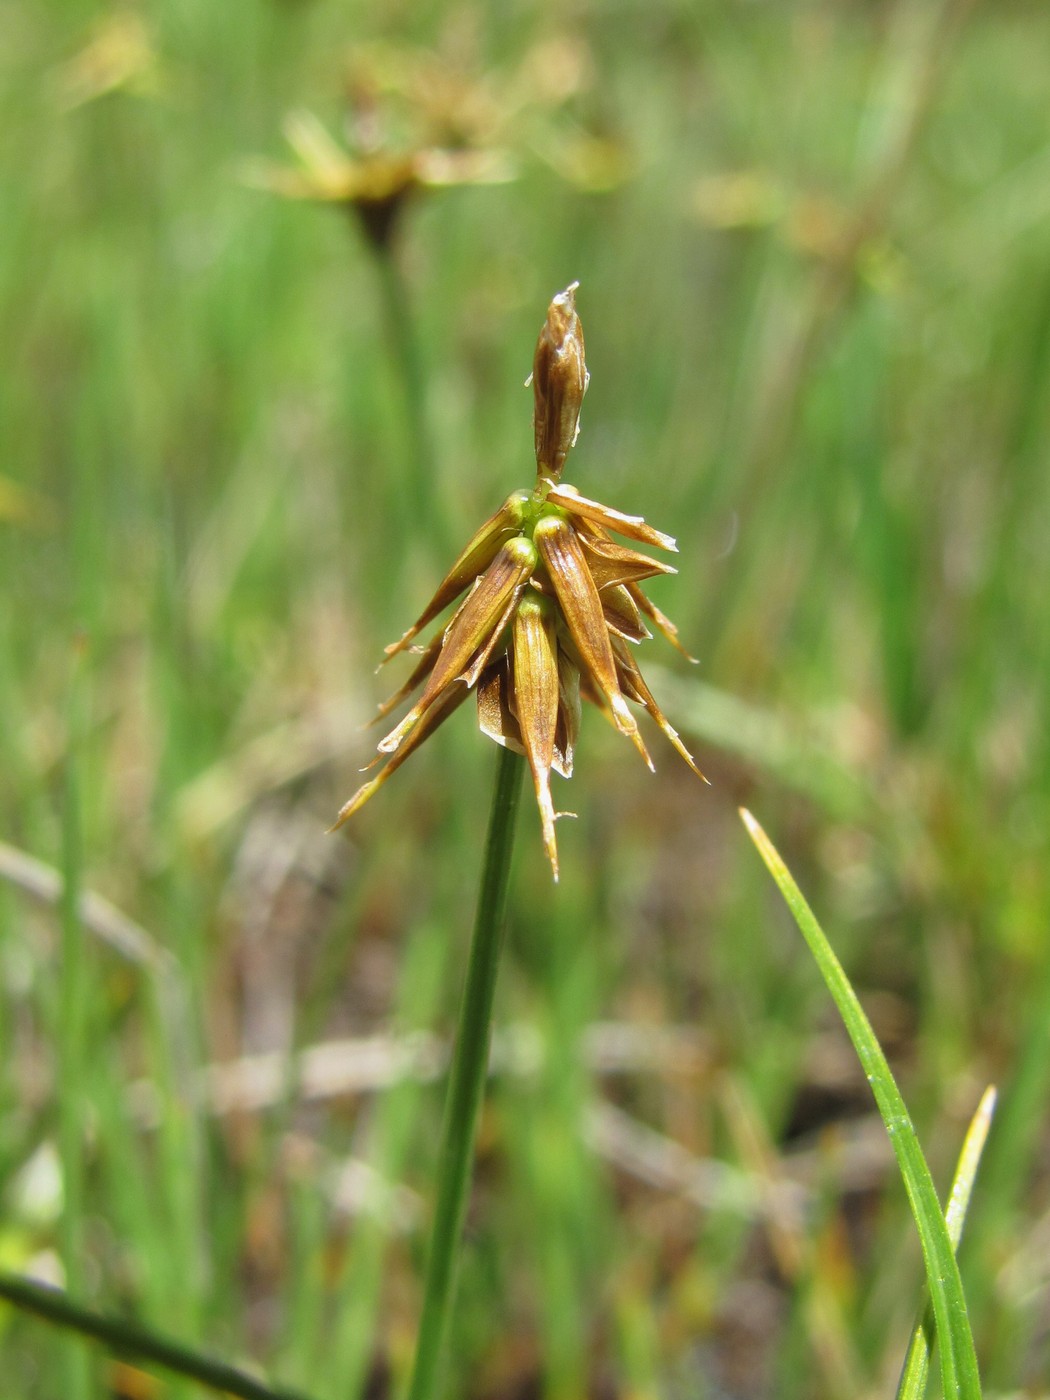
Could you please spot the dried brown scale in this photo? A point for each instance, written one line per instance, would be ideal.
(611, 563)
(581, 607)
(552, 608)
(568, 731)
(536, 692)
(591, 691)
(428, 656)
(474, 559)
(622, 616)
(504, 620)
(633, 526)
(471, 630)
(495, 717)
(634, 686)
(432, 720)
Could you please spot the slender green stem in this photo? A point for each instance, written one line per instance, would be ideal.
(136, 1343)
(421, 494)
(467, 1079)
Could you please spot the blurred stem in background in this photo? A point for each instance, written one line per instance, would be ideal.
(373, 178)
(359, 1288)
(565, 1244)
(467, 1078)
(919, 45)
(413, 497)
(72, 1008)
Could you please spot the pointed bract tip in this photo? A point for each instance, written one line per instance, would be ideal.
(628, 726)
(677, 742)
(355, 804)
(639, 744)
(550, 844)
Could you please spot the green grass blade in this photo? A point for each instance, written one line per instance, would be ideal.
(915, 1372)
(958, 1359)
(135, 1343)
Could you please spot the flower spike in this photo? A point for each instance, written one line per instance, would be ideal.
(553, 606)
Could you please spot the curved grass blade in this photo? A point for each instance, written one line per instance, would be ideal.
(958, 1360)
(915, 1373)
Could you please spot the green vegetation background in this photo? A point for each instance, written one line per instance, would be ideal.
(817, 311)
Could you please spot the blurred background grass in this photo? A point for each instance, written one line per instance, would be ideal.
(814, 246)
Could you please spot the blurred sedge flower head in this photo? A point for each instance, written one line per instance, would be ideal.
(552, 609)
(419, 120)
(376, 181)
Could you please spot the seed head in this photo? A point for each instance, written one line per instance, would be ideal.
(552, 607)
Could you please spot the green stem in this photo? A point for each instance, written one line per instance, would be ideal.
(421, 496)
(467, 1079)
(136, 1343)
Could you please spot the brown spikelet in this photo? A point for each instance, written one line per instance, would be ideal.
(536, 700)
(562, 553)
(548, 608)
(632, 526)
(473, 560)
(559, 382)
(471, 634)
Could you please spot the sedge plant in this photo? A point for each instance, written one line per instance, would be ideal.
(548, 607)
